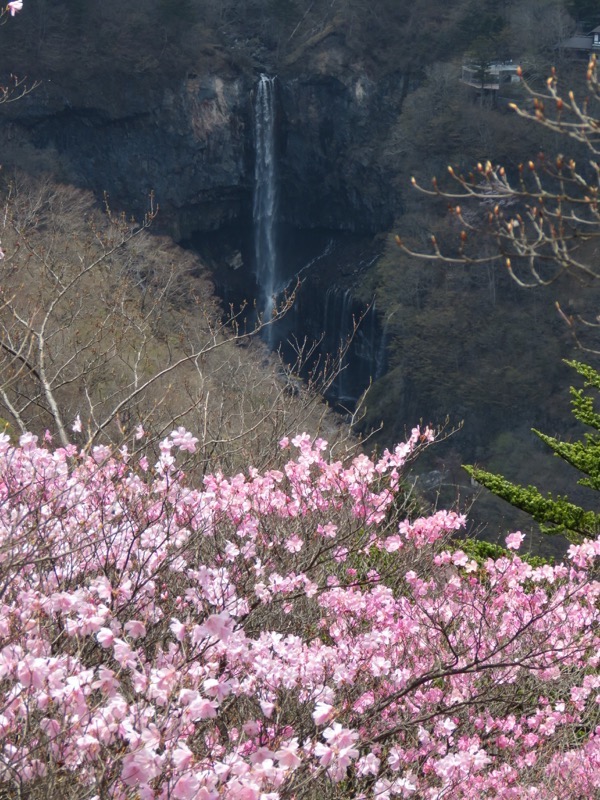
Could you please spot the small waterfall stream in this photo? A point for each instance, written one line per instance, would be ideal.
(351, 329)
(265, 198)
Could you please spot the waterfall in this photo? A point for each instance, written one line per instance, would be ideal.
(381, 355)
(338, 328)
(265, 197)
(295, 278)
(362, 334)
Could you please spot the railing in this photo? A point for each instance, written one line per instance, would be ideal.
(491, 78)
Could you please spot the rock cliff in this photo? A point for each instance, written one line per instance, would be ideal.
(191, 145)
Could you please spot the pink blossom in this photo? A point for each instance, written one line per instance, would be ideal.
(105, 637)
(393, 543)
(324, 753)
(124, 654)
(514, 540)
(184, 440)
(135, 628)
(340, 737)
(288, 754)
(101, 453)
(368, 765)
(294, 543)
(186, 788)
(219, 626)
(106, 682)
(182, 757)
(215, 688)
(323, 713)
(202, 708)
(267, 707)
(14, 6)
(178, 629)
(139, 768)
(329, 530)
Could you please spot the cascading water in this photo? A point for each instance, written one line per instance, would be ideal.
(358, 346)
(265, 198)
(381, 355)
(353, 336)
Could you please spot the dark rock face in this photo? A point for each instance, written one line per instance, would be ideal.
(191, 151)
(332, 178)
(193, 148)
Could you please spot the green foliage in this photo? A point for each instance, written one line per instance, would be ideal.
(480, 551)
(557, 514)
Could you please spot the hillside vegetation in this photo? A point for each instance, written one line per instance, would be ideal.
(103, 322)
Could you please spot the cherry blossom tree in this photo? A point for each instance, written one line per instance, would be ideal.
(279, 634)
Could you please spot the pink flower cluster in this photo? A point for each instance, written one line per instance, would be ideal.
(269, 631)
(14, 6)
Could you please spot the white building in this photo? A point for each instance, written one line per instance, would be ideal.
(490, 76)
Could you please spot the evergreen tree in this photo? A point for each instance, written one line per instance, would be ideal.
(557, 514)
